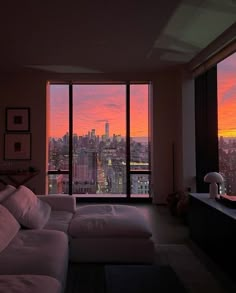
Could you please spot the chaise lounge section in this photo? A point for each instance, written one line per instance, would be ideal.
(110, 233)
(101, 233)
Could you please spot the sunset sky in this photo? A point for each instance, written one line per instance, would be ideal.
(226, 74)
(94, 105)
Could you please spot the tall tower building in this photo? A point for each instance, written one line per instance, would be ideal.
(107, 130)
(93, 133)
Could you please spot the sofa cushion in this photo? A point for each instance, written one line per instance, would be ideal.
(29, 284)
(6, 192)
(60, 202)
(59, 220)
(36, 252)
(29, 211)
(103, 220)
(8, 227)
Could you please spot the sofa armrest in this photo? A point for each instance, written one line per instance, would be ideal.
(60, 202)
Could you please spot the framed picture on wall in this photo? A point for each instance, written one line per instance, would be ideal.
(17, 119)
(17, 146)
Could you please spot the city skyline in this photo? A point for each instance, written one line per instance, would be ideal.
(99, 164)
(92, 133)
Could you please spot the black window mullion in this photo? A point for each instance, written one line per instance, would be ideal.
(70, 137)
(128, 191)
(206, 126)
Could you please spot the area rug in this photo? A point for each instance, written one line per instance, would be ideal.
(141, 279)
(189, 268)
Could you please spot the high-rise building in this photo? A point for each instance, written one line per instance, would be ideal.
(107, 130)
(93, 133)
(66, 138)
(85, 173)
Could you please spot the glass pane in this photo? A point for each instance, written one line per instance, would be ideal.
(58, 184)
(139, 146)
(226, 74)
(140, 185)
(58, 145)
(99, 143)
(139, 149)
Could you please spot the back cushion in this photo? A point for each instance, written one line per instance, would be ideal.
(28, 210)
(8, 227)
(6, 191)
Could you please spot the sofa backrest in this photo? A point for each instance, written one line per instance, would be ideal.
(27, 209)
(6, 192)
(8, 227)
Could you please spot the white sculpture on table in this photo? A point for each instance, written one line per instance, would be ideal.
(214, 179)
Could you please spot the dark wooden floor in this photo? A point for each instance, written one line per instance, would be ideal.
(166, 228)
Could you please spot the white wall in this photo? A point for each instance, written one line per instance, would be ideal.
(29, 90)
(167, 135)
(18, 90)
(188, 127)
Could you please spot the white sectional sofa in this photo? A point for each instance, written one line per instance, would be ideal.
(39, 235)
(33, 259)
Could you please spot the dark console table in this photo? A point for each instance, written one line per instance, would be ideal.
(16, 177)
(213, 227)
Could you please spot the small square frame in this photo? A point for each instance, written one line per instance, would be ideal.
(17, 119)
(17, 146)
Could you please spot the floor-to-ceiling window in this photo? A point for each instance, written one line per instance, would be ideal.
(215, 106)
(98, 140)
(58, 143)
(226, 84)
(139, 141)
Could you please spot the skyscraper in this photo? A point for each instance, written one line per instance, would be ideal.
(93, 133)
(107, 130)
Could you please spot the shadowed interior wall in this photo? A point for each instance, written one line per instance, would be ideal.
(188, 127)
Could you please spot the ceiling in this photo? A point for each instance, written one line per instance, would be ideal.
(109, 36)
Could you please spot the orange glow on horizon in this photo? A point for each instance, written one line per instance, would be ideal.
(94, 105)
(226, 72)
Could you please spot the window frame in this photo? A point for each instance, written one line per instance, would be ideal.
(129, 171)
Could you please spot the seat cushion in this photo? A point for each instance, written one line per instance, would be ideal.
(28, 284)
(36, 252)
(29, 211)
(99, 221)
(59, 220)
